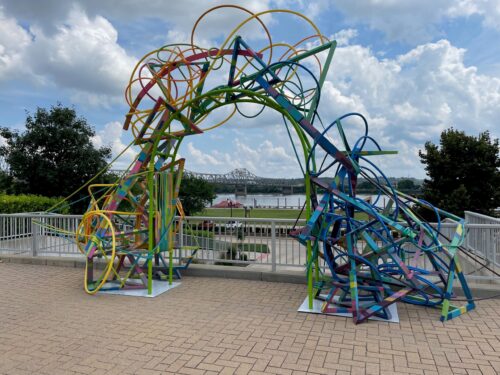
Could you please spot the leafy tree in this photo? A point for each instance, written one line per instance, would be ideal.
(406, 184)
(54, 155)
(463, 172)
(195, 193)
(6, 183)
(366, 187)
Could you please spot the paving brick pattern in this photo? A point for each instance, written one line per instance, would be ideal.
(48, 325)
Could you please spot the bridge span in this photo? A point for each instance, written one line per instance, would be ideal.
(241, 178)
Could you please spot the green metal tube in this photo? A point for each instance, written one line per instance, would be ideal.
(150, 225)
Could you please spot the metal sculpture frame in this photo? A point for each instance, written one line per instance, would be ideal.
(360, 258)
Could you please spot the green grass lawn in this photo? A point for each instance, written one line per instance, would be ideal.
(251, 247)
(262, 213)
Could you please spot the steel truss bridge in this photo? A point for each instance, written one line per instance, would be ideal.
(242, 177)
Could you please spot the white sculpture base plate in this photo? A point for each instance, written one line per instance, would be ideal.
(159, 287)
(317, 304)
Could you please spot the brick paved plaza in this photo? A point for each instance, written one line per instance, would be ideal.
(48, 325)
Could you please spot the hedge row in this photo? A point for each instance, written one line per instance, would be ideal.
(199, 233)
(10, 204)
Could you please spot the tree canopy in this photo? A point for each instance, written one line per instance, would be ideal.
(54, 155)
(463, 172)
(406, 184)
(195, 194)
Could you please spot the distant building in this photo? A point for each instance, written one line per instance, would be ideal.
(228, 203)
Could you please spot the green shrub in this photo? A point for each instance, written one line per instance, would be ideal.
(232, 252)
(10, 204)
(199, 233)
(257, 247)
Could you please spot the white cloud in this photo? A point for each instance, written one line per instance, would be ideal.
(76, 48)
(344, 36)
(267, 159)
(82, 55)
(407, 101)
(416, 21)
(181, 15)
(112, 135)
(201, 158)
(13, 42)
(488, 9)
(410, 99)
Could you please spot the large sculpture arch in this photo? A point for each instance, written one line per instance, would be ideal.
(174, 92)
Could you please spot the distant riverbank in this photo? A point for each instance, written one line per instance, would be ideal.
(293, 201)
(262, 213)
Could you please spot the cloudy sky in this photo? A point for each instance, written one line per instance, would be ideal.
(413, 68)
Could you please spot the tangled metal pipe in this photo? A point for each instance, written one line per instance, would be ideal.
(362, 257)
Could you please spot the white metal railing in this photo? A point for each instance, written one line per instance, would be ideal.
(247, 241)
(31, 234)
(257, 243)
(485, 242)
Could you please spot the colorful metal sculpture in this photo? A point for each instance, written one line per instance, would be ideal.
(373, 256)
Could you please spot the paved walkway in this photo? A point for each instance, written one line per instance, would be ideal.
(48, 325)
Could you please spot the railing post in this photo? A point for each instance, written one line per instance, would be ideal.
(34, 237)
(467, 230)
(181, 234)
(181, 239)
(273, 246)
(495, 238)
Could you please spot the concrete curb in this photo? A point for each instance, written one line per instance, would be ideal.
(45, 261)
(228, 272)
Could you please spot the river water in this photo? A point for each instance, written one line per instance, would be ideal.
(279, 200)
